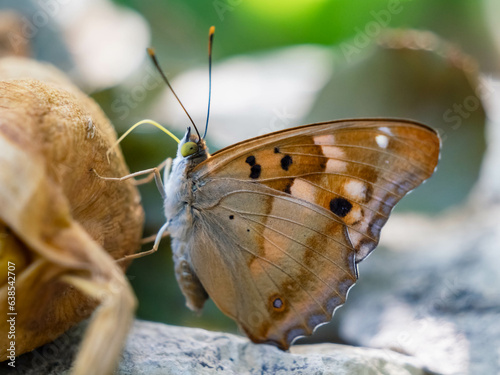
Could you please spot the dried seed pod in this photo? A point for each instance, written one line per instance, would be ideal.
(59, 223)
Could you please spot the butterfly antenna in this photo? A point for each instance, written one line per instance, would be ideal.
(151, 53)
(210, 42)
(142, 122)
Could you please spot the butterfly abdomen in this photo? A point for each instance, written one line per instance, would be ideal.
(188, 281)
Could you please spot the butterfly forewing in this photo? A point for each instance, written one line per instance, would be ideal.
(294, 211)
(357, 169)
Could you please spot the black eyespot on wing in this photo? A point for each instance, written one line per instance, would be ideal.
(231, 217)
(250, 160)
(255, 171)
(286, 161)
(276, 150)
(340, 206)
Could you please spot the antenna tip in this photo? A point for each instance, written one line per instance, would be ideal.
(151, 52)
(211, 31)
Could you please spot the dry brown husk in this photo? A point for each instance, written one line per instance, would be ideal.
(60, 224)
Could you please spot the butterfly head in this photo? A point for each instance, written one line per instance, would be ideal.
(192, 148)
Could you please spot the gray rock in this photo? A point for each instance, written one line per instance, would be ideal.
(439, 301)
(178, 350)
(159, 349)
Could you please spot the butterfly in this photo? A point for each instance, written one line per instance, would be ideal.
(272, 228)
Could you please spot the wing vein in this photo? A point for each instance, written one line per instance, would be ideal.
(283, 271)
(344, 196)
(298, 316)
(312, 174)
(300, 264)
(290, 238)
(333, 174)
(398, 139)
(264, 300)
(384, 170)
(297, 201)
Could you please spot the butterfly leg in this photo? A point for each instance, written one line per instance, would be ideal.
(161, 233)
(152, 238)
(167, 164)
(155, 172)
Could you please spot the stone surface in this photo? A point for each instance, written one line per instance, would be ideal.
(439, 302)
(159, 349)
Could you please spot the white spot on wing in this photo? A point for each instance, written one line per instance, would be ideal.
(382, 141)
(303, 189)
(355, 189)
(325, 139)
(333, 166)
(332, 152)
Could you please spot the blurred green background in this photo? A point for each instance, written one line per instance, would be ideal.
(369, 64)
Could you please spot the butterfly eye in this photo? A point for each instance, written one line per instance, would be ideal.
(189, 148)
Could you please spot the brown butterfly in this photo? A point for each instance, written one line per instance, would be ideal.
(272, 228)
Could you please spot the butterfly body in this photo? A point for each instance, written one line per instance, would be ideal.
(178, 209)
(179, 191)
(272, 228)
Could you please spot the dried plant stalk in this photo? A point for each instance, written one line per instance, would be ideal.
(59, 224)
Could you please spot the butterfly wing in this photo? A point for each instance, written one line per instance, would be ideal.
(276, 264)
(357, 169)
(281, 220)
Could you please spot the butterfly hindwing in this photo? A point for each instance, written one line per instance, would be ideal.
(277, 273)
